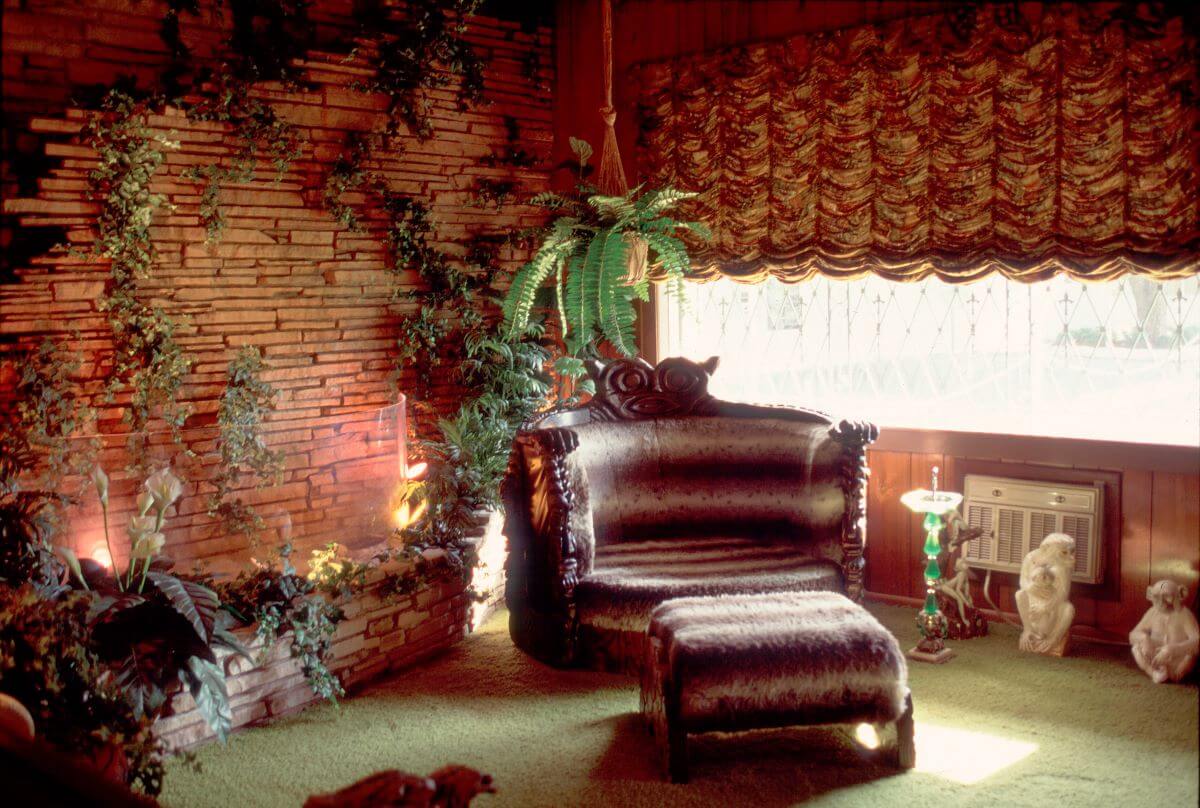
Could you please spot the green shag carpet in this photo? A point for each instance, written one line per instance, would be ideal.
(994, 727)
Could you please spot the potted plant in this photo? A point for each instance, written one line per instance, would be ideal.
(599, 256)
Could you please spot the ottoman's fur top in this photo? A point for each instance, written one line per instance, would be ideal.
(801, 657)
(630, 578)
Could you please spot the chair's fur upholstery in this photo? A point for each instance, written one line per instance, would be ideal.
(628, 579)
(656, 490)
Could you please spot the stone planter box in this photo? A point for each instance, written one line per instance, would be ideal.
(379, 636)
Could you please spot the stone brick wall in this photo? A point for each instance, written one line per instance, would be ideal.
(285, 277)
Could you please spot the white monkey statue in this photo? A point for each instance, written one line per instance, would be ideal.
(1166, 640)
(1043, 599)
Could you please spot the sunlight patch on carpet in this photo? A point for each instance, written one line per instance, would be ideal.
(966, 757)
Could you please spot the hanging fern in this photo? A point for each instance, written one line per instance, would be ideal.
(587, 256)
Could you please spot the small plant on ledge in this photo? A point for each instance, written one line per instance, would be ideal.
(278, 600)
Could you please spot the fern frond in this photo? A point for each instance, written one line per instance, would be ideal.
(602, 250)
(573, 299)
(619, 319)
(558, 296)
(699, 228)
(662, 199)
(611, 291)
(528, 280)
(618, 208)
(670, 253)
(551, 201)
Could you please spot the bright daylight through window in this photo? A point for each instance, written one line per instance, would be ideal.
(1118, 360)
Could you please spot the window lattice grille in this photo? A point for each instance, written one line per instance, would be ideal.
(1117, 360)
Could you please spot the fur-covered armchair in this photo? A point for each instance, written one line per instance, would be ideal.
(654, 489)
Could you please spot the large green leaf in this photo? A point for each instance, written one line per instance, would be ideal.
(195, 602)
(206, 683)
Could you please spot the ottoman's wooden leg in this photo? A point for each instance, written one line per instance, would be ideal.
(671, 734)
(906, 748)
(677, 767)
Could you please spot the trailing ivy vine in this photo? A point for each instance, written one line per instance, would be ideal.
(258, 132)
(147, 362)
(244, 404)
(419, 50)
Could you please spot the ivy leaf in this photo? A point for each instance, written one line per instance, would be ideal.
(582, 150)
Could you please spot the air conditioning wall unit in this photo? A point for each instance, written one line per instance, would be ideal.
(1015, 515)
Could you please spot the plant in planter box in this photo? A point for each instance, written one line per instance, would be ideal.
(155, 629)
(278, 599)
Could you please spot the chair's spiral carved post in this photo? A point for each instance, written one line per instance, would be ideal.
(516, 530)
(556, 444)
(854, 436)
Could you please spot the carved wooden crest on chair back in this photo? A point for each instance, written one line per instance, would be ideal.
(632, 389)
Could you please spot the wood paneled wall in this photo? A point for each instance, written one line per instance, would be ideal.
(648, 30)
(1158, 534)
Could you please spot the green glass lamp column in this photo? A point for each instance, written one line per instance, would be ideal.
(934, 504)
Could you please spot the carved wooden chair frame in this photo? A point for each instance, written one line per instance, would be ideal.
(632, 390)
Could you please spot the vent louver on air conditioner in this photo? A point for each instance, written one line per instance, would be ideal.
(1018, 514)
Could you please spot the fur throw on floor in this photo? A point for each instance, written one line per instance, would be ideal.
(785, 658)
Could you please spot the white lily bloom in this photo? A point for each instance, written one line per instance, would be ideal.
(100, 480)
(164, 487)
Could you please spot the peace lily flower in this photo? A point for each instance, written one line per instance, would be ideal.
(144, 501)
(141, 527)
(164, 487)
(148, 546)
(100, 480)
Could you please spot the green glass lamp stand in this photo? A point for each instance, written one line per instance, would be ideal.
(931, 621)
(933, 624)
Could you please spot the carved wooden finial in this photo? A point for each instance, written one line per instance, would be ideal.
(630, 389)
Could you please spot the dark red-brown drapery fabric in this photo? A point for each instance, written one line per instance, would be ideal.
(1061, 138)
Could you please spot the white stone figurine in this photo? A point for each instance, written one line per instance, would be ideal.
(1166, 640)
(1043, 599)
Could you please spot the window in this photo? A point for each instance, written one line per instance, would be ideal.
(1114, 361)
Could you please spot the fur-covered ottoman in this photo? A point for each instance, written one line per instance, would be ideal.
(754, 661)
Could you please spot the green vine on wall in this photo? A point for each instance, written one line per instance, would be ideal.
(244, 404)
(147, 360)
(258, 132)
(421, 50)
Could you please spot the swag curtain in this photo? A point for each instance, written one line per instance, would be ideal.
(1066, 138)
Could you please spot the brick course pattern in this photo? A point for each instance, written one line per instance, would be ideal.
(313, 296)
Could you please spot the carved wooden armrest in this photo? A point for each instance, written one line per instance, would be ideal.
(854, 436)
(553, 480)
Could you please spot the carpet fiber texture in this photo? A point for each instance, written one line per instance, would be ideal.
(995, 727)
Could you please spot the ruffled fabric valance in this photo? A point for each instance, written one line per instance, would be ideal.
(1065, 139)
